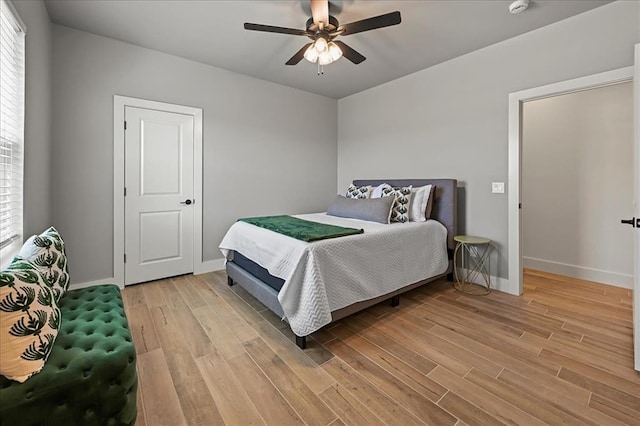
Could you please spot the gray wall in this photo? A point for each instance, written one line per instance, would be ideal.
(267, 148)
(577, 183)
(451, 120)
(37, 120)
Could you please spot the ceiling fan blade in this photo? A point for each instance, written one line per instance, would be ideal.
(349, 53)
(299, 55)
(272, 29)
(320, 11)
(368, 24)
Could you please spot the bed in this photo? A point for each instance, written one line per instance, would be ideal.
(313, 284)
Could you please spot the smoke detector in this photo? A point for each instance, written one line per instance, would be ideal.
(518, 6)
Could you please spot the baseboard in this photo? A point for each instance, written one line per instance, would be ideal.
(208, 266)
(75, 286)
(580, 272)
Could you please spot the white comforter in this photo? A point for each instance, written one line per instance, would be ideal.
(327, 275)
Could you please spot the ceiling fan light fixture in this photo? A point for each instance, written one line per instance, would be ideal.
(334, 51)
(311, 54)
(321, 44)
(325, 58)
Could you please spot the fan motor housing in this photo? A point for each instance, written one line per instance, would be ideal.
(333, 24)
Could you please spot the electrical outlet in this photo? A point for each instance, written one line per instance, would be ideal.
(497, 187)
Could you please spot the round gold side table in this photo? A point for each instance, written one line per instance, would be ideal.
(471, 265)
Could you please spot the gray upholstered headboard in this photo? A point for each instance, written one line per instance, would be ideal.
(445, 208)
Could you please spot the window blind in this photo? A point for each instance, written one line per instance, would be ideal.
(12, 45)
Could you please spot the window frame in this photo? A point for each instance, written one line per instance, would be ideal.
(11, 242)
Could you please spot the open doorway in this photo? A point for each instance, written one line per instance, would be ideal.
(516, 101)
(577, 183)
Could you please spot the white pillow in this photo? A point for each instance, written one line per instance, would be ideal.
(377, 191)
(419, 203)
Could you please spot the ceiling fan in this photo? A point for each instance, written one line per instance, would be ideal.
(323, 28)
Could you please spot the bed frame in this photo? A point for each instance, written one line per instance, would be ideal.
(444, 211)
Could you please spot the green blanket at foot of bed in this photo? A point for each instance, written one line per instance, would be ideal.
(301, 229)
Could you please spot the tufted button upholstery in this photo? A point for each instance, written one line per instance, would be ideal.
(90, 376)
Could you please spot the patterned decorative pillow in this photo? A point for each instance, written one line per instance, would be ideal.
(400, 210)
(29, 320)
(47, 252)
(358, 191)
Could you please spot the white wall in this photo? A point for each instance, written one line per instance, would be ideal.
(577, 183)
(37, 120)
(451, 120)
(263, 152)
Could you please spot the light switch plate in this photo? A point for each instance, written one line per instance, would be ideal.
(497, 187)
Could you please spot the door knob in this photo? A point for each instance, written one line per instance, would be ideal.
(633, 222)
(187, 202)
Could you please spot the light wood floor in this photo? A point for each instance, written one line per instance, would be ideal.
(211, 354)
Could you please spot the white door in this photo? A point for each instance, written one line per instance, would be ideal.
(636, 189)
(159, 188)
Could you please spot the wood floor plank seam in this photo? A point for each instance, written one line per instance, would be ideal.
(467, 412)
(296, 392)
(232, 400)
(345, 413)
(250, 386)
(442, 397)
(375, 397)
(296, 359)
(514, 357)
(613, 409)
(496, 406)
(575, 408)
(456, 323)
(533, 406)
(395, 388)
(393, 365)
(393, 347)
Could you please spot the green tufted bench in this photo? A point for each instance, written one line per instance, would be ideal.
(90, 377)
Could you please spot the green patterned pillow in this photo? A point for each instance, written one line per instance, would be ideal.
(400, 210)
(47, 252)
(360, 192)
(29, 320)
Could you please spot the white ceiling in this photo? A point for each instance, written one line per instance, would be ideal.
(212, 32)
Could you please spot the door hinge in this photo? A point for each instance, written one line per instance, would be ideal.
(125, 258)
(125, 191)
(519, 205)
(125, 125)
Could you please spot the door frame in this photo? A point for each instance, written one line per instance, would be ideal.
(516, 100)
(636, 174)
(119, 104)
